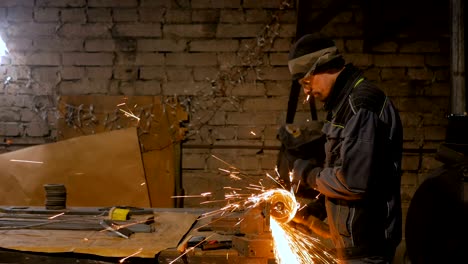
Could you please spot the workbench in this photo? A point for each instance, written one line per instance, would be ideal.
(160, 235)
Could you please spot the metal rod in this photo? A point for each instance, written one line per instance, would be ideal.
(457, 57)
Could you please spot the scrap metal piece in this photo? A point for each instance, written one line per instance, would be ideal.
(214, 245)
(254, 246)
(116, 229)
(256, 240)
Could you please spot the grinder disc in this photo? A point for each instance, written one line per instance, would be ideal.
(283, 205)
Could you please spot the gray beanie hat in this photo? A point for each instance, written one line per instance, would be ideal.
(312, 52)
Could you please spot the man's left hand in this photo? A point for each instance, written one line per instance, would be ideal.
(305, 173)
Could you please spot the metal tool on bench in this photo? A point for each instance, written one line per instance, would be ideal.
(75, 219)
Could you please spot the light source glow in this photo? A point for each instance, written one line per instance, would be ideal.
(3, 47)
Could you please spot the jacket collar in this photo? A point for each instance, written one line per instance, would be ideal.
(342, 87)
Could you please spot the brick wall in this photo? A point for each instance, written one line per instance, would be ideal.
(219, 58)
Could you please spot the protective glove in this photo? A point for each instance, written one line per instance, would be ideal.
(310, 223)
(305, 173)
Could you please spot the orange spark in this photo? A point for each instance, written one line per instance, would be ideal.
(295, 247)
(190, 249)
(223, 161)
(191, 196)
(231, 188)
(136, 253)
(27, 161)
(283, 249)
(130, 114)
(55, 216)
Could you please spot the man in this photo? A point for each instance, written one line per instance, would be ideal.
(361, 175)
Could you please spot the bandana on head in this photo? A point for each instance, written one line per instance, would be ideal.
(309, 62)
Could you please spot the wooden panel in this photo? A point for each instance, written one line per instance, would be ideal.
(159, 170)
(157, 120)
(95, 170)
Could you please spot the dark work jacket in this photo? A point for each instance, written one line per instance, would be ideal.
(362, 171)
